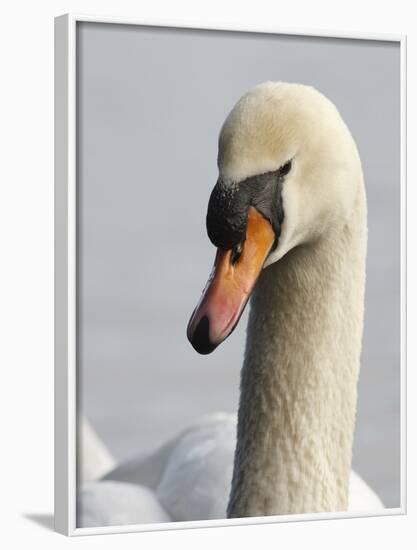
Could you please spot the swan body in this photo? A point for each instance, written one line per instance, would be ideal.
(289, 219)
(107, 503)
(186, 479)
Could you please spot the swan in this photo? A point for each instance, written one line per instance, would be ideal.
(288, 218)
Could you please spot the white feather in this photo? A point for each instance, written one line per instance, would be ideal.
(94, 458)
(186, 479)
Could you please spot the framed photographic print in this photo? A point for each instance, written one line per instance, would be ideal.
(269, 163)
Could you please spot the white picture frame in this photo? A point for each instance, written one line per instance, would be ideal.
(65, 279)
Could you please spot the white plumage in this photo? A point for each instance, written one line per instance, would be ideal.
(94, 459)
(107, 503)
(186, 479)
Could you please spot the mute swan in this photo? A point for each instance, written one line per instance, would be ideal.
(290, 198)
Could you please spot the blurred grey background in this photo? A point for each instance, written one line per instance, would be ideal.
(151, 102)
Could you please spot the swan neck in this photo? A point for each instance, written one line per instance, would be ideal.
(298, 381)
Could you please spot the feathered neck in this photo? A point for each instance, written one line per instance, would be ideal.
(299, 378)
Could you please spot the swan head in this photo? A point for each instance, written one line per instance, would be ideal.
(289, 172)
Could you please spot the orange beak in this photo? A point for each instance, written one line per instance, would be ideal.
(229, 286)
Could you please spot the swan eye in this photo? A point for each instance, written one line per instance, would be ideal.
(285, 168)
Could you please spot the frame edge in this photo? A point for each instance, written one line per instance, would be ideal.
(64, 424)
(64, 223)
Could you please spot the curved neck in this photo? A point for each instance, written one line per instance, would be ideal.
(298, 382)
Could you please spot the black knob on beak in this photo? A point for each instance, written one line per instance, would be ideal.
(227, 214)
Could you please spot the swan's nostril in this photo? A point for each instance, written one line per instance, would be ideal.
(200, 338)
(236, 253)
